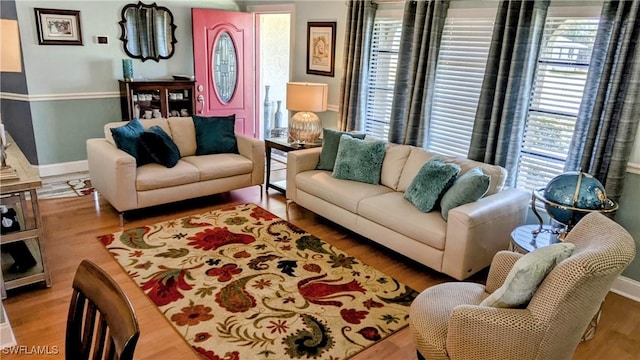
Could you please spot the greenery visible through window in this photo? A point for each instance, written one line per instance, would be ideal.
(557, 92)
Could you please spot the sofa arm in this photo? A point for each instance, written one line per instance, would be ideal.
(113, 174)
(253, 149)
(297, 162)
(478, 230)
(500, 267)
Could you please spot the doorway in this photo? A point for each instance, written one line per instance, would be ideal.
(273, 59)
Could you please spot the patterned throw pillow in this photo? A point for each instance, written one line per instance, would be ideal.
(433, 179)
(526, 275)
(330, 143)
(359, 160)
(160, 146)
(215, 135)
(469, 187)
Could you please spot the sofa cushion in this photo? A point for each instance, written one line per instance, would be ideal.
(433, 179)
(330, 143)
(127, 139)
(160, 147)
(215, 134)
(183, 133)
(497, 173)
(526, 274)
(343, 193)
(395, 158)
(392, 211)
(467, 188)
(216, 166)
(155, 176)
(359, 160)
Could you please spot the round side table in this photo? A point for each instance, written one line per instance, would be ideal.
(523, 239)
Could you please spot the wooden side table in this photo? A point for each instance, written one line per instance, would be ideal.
(21, 194)
(281, 144)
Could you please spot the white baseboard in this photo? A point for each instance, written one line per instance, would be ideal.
(626, 287)
(7, 339)
(63, 168)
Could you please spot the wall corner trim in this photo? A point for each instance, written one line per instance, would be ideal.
(63, 168)
(627, 287)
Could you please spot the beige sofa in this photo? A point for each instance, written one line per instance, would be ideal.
(459, 247)
(115, 176)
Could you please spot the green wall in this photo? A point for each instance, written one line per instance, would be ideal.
(628, 216)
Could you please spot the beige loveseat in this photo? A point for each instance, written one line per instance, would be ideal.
(459, 247)
(115, 176)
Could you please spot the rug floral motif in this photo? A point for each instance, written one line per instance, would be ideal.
(241, 283)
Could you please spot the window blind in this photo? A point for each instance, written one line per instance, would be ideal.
(381, 78)
(557, 91)
(459, 74)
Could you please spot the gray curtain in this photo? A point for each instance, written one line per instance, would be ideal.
(357, 44)
(422, 27)
(504, 98)
(610, 109)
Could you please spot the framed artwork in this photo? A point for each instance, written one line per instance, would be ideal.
(321, 48)
(58, 27)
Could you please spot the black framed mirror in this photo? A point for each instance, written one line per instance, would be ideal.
(148, 31)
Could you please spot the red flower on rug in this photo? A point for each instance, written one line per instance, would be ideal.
(370, 333)
(210, 355)
(192, 315)
(352, 316)
(318, 292)
(224, 273)
(212, 239)
(260, 213)
(164, 286)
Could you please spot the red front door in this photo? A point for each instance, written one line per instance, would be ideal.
(223, 61)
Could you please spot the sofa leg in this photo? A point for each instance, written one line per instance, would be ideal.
(261, 191)
(121, 214)
(286, 209)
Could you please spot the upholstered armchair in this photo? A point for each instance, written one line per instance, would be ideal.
(447, 321)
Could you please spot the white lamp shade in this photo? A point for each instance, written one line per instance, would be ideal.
(10, 59)
(307, 96)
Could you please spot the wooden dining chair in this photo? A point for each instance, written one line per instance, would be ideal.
(101, 322)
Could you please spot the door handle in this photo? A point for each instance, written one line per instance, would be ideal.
(201, 101)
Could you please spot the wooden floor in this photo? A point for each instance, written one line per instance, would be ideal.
(38, 316)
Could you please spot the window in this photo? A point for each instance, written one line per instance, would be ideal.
(382, 70)
(459, 74)
(557, 91)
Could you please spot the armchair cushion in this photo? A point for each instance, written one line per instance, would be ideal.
(215, 135)
(525, 276)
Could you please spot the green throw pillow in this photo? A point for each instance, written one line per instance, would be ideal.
(526, 275)
(127, 139)
(160, 146)
(215, 135)
(469, 187)
(359, 160)
(329, 152)
(433, 179)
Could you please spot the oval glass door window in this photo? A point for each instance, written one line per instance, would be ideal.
(225, 67)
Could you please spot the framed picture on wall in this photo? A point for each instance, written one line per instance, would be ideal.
(58, 27)
(321, 48)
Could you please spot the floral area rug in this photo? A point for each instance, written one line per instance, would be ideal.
(241, 283)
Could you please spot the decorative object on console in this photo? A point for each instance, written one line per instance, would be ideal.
(127, 69)
(306, 98)
(277, 117)
(58, 27)
(241, 283)
(569, 197)
(10, 61)
(266, 112)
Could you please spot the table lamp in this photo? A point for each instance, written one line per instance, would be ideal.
(306, 98)
(10, 61)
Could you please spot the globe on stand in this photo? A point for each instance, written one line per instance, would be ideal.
(569, 197)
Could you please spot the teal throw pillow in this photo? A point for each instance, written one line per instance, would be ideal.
(127, 139)
(160, 146)
(359, 160)
(433, 179)
(215, 135)
(525, 276)
(469, 187)
(329, 152)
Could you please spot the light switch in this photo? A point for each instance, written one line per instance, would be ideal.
(102, 39)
